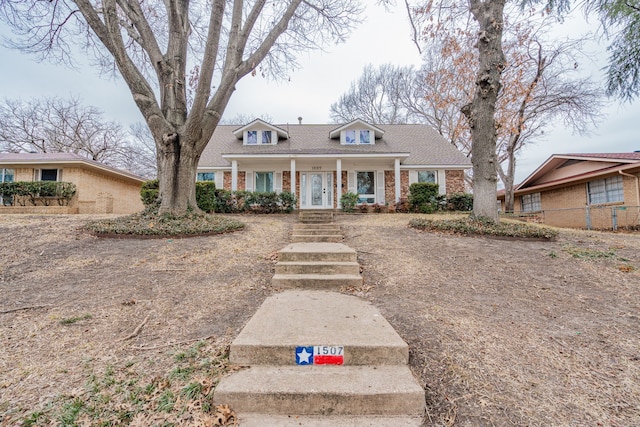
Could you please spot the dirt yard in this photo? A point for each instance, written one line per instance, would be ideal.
(501, 332)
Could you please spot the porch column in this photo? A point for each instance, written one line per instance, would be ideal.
(397, 178)
(293, 176)
(338, 182)
(234, 175)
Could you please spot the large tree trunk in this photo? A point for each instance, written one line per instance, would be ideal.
(507, 179)
(177, 163)
(481, 111)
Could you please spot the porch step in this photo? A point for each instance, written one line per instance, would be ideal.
(262, 420)
(303, 229)
(317, 251)
(308, 318)
(311, 216)
(317, 267)
(323, 390)
(316, 281)
(297, 238)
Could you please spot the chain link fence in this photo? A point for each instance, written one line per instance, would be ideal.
(588, 217)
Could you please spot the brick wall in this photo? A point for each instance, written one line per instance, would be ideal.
(92, 185)
(389, 187)
(454, 181)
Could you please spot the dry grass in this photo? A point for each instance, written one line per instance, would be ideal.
(501, 332)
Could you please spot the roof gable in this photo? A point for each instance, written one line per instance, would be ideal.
(357, 124)
(562, 168)
(259, 124)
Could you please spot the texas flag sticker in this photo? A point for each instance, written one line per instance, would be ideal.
(320, 355)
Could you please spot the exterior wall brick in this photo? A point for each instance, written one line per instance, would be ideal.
(226, 180)
(286, 181)
(242, 181)
(454, 181)
(404, 184)
(389, 187)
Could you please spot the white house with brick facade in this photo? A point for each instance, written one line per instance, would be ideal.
(378, 162)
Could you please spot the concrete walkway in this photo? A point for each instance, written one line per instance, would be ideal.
(320, 358)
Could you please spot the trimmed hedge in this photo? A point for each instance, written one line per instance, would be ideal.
(211, 199)
(41, 193)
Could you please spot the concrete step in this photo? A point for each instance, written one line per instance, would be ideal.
(322, 390)
(317, 318)
(316, 281)
(298, 238)
(264, 420)
(314, 230)
(320, 225)
(317, 267)
(317, 252)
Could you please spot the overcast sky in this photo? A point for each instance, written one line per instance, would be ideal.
(383, 38)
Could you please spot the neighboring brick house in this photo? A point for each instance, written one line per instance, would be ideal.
(100, 188)
(378, 162)
(582, 190)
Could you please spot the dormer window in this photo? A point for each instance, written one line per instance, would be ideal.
(258, 137)
(353, 136)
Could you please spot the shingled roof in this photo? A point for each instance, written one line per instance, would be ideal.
(420, 144)
(17, 159)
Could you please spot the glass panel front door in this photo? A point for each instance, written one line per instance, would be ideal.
(316, 190)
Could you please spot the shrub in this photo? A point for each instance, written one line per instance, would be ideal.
(349, 201)
(483, 227)
(402, 206)
(211, 199)
(287, 201)
(149, 192)
(206, 196)
(363, 207)
(460, 202)
(265, 202)
(37, 192)
(423, 197)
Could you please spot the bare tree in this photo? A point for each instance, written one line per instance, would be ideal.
(181, 59)
(542, 86)
(243, 119)
(55, 125)
(375, 97)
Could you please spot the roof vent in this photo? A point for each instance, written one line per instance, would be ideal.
(300, 120)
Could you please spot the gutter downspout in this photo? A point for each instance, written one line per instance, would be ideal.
(637, 185)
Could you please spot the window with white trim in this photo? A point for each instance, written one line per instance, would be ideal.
(531, 202)
(366, 186)
(258, 137)
(7, 175)
(263, 182)
(356, 137)
(427, 176)
(607, 190)
(206, 177)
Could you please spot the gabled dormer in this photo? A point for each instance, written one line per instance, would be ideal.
(259, 132)
(357, 132)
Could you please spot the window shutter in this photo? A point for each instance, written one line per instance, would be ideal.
(441, 179)
(219, 180)
(351, 182)
(413, 177)
(277, 182)
(248, 182)
(380, 188)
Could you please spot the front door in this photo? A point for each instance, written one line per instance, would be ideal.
(316, 190)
